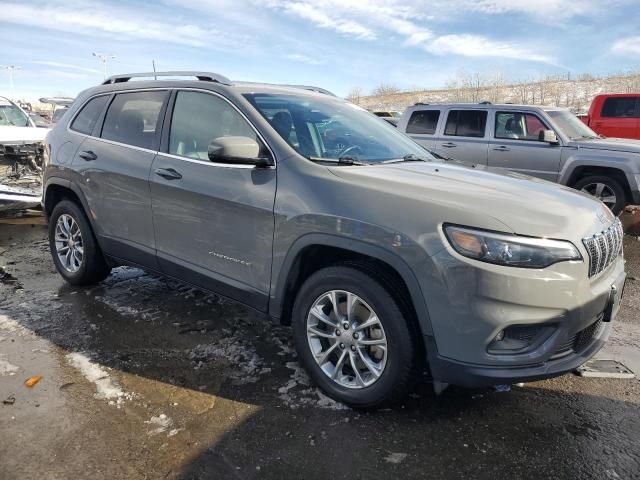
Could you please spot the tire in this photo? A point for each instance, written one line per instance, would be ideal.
(396, 366)
(91, 264)
(592, 184)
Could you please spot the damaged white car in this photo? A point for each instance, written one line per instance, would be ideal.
(21, 153)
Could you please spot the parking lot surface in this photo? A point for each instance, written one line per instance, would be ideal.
(144, 377)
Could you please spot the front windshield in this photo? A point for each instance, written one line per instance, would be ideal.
(329, 129)
(571, 125)
(12, 116)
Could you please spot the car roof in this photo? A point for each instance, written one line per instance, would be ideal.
(484, 106)
(201, 80)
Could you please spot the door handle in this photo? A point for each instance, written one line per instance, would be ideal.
(87, 155)
(168, 173)
(449, 145)
(502, 148)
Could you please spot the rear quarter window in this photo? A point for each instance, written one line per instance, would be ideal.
(423, 122)
(88, 116)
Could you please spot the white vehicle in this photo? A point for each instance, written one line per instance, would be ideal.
(16, 126)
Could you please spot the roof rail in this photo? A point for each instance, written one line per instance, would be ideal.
(312, 89)
(202, 76)
(420, 103)
(485, 102)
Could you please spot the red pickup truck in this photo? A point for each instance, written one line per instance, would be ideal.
(615, 115)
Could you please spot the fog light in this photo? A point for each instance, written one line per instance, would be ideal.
(499, 336)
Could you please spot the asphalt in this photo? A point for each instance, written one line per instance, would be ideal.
(148, 378)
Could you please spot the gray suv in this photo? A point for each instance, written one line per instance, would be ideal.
(545, 142)
(385, 260)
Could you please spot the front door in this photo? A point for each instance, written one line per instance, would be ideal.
(516, 145)
(213, 221)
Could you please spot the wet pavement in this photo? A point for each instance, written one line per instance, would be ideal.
(148, 378)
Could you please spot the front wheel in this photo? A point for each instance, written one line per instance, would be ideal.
(352, 338)
(606, 189)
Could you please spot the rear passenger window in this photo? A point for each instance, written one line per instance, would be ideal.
(466, 123)
(423, 122)
(88, 116)
(132, 118)
(620, 107)
(199, 118)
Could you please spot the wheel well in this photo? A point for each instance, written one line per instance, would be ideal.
(315, 257)
(588, 171)
(56, 193)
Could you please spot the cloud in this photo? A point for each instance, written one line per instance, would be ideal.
(91, 18)
(298, 57)
(479, 46)
(627, 46)
(68, 66)
(538, 9)
(322, 19)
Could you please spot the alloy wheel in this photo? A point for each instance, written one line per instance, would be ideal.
(347, 339)
(602, 192)
(68, 242)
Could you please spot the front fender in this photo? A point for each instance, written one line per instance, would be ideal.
(391, 248)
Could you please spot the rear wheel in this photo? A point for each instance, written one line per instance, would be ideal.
(606, 189)
(74, 249)
(352, 338)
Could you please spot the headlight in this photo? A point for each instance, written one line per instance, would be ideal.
(509, 250)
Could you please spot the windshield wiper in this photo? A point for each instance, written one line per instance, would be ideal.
(346, 160)
(407, 158)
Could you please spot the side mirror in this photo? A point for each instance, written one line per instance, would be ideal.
(548, 136)
(239, 150)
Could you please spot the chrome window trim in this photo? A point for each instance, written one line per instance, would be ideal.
(166, 154)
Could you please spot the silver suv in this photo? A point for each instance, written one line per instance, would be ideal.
(384, 259)
(545, 142)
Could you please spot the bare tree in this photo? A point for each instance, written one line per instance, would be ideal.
(354, 95)
(385, 89)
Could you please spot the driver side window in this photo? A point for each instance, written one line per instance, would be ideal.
(518, 126)
(199, 118)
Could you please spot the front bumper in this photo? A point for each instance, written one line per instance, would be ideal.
(473, 302)
(475, 376)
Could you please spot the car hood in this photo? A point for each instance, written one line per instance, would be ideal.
(525, 205)
(22, 134)
(613, 144)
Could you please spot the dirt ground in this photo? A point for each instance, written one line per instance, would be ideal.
(148, 378)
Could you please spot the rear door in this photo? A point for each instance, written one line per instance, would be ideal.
(213, 221)
(114, 164)
(516, 145)
(463, 136)
(620, 117)
(422, 126)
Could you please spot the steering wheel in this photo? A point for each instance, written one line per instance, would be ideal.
(352, 149)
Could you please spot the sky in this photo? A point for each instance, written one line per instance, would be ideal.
(335, 44)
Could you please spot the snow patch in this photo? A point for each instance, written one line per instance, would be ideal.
(161, 423)
(106, 387)
(396, 457)
(7, 368)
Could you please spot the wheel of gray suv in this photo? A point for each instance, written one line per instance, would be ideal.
(606, 189)
(352, 338)
(74, 249)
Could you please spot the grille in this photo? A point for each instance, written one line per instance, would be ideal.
(584, 337)
(604, 247)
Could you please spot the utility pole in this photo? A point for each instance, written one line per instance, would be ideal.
(11, 69)
(153, 63)
(104, 57)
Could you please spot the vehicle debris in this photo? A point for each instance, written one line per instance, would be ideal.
(604, 368)
(10, 400)
(32, 381)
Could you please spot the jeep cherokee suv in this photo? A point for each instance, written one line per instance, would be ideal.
(384, 259)
(546, 142)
